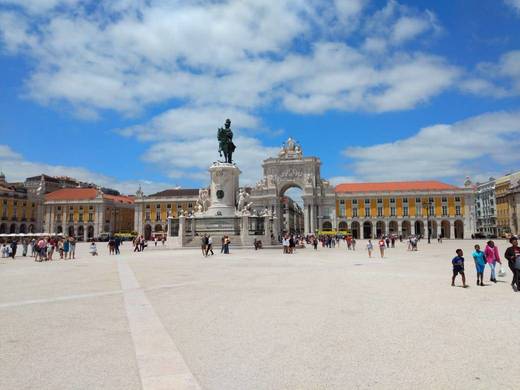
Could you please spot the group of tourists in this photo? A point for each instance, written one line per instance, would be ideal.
(206, 245)
(113, 245)
(139, 243)
(289, 243)
(42, 248)
(490, 257)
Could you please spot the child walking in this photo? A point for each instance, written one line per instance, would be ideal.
(458, 268)
(370, 248)
(480, 264)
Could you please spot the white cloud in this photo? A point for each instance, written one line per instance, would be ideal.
(124, 56)
(17, 169)
(335, 180)
(191, 158)
(191, 122)
(500, 79)
(468, 147)
(207, 60)
(515, 4)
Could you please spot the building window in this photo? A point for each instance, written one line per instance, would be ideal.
(91, 217)
(169, 206)
(418, 211)
(457, 210)
(379, 200)
(444, 199)
(355, 213)
(367, 212)
(392, 200)
(392, 211)
(190, 205)
(457, 199)
(432, 210)
(354, 201)
(342, 210)
(379, 211)
(444, 211)
(71, 217)
(405, 211)
(80, 217)
(147, 216)
(158, 216)
(430, 200)
(405, 200)
(367, 201)
(417, 200)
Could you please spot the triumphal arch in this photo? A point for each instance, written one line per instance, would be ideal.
(292, 169)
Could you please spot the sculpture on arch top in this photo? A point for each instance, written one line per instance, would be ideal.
(290, 150)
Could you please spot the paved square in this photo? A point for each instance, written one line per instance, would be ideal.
(326, 319)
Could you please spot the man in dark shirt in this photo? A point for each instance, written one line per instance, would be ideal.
(458, 268)
(511, 254)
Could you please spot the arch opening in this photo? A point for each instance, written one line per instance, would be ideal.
(291, 207)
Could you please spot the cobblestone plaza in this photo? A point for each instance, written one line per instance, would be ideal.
(325, 319)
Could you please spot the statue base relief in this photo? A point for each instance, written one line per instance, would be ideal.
(223, 190)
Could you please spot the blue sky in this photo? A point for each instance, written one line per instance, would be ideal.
(132, 92)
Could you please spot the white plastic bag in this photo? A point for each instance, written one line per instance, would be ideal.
(501, 272)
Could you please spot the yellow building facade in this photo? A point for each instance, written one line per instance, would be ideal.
(87, 213)
(152, 212)
(18, 209)
(369, 210)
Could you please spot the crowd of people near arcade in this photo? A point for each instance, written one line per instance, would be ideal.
(46, 248)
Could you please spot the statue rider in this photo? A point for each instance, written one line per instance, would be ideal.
(225, 139)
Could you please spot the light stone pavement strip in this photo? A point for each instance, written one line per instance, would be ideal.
(161, 365)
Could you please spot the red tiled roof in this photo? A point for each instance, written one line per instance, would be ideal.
(431, 185)
(84, 194)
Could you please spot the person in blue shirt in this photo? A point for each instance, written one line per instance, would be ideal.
(458, 268)
(480, 264)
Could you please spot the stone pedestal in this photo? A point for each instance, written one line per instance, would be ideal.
(224, 187)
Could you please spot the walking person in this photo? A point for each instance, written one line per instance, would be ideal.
(353, 244)
(227, 242)
(513, 255)
(209, 248)
(370, 248)
(382, 247)
(315, 243)
(66, 248)
(222, 242)
(117, 244)
(204, 245)
(480, 264)
(25, 247)
(111, 246)
(458, 268)
(72, 248)
(14, 246)
(492, 257)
